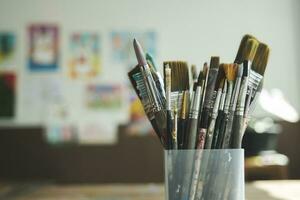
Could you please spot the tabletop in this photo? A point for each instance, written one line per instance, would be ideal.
(259, 190)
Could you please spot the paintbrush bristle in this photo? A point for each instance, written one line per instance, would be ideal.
(194, 72)
(250, 50)
(180, 75)
(261, 59)
(201, 77)
(205, 69)
(220, 78)
(214, 62)
(239, 55)
(230, 71)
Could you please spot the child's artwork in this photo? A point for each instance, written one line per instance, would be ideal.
(97, 132)
(104, 96)
(85, 58)
(61, 133)
(122, 49)
(7, 94)
(43, 47)
(7, 50)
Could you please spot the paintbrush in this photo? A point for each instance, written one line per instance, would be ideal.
(203, 84)
(180, 81)
(179, 86)
(230, 73)
(218, 87)
(174, 132)
(239, 56)
(156, 75)
(193, 119)
(249, 53)
(247, 56)
(168, 84)
(182, 121)
(190, 142)
(208, 101)
(258, 66)
(220, 117)
(137, 81)
(232, 107)
(194, 73)
(152, 91)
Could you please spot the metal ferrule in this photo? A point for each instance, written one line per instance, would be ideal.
(254, 79)
(228, 98)
(195, 108)
(223, 97)
(217, 103)
(235, 95)
(242, 97)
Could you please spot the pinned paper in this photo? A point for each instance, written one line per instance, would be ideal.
(122, 50)
(7, 95)
(43, 47)
(104, 96)
(7, 50)
(85, 55)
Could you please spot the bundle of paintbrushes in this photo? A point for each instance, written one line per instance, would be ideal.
(206, 111)
(209, 110)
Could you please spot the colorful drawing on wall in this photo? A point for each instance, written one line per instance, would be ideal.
(104, 96)
(97, 132)
(85, 55)
(122, 50)
(7, 50)
(7, 94)
(61, 133)
(43, 47)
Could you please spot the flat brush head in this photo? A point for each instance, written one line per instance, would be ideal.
(220, 78)
(250, 50)
(140, 56)
(214, 62)
(238, 58)
(261, 58)
(230, 71)
(180, 75)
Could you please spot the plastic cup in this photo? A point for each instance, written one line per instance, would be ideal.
(216, 174)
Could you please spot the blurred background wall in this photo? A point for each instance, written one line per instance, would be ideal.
(191, 31)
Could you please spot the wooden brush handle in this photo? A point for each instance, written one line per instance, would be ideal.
(169, 130)
(192, 134)
(237, 129)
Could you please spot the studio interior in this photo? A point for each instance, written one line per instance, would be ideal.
(149, 100)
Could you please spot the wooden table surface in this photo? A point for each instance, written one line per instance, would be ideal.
(260, 190)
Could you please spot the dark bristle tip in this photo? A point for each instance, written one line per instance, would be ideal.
(200, 77)
(261, 59)
(214, 62)
(250, 50)
(239, 57)
(220, 78)
(180, 75)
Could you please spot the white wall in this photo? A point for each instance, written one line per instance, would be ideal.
(191, 30)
